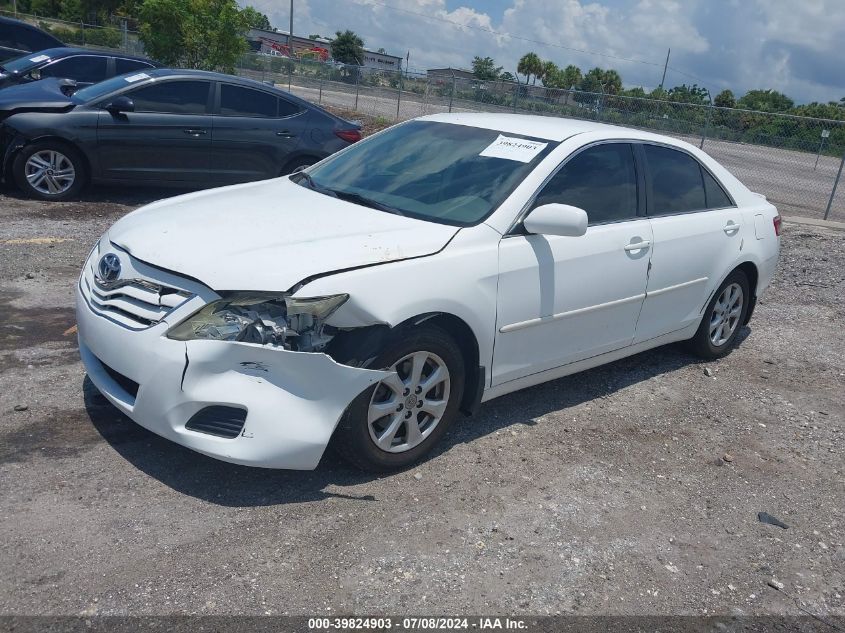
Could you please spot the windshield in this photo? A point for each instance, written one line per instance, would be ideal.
(442, 172)
(92, 93)
(25, 63)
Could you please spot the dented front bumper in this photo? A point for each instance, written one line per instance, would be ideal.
(293, 400)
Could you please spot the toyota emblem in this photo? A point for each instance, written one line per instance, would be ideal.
(109, 267)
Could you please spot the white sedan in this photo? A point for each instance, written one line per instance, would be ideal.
(434, 266)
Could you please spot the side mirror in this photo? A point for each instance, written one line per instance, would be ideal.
(121, 104)
(556, 219)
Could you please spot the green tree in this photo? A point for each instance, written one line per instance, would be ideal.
(72, 11)
(637, 92)
(658, 93)
(205, 34)
(49, 8)
(507, 76)
(612, 82)
(725, 99)
(255, 19)
(593, 81)
(348, 48)
(571, 76)
(550, 74)
(689, 94)
(766, 101)
(485, 68)
(530, 64)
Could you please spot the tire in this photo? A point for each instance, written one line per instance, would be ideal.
(54, 158)
(356, 436)
(727, 310)
(297, 164)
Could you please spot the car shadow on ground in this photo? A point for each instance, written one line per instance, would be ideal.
(230, 485)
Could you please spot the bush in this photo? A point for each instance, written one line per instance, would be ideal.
(94, 36)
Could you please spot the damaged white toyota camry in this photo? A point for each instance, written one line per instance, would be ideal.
(436, 265)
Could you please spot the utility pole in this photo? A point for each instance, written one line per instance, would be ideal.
(290, 30)
(665, 66)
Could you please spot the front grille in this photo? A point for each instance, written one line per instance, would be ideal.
(136, 303)
(218, 420)
(128, 385)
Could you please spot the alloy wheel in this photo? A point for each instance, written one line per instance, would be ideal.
(726, 313)
(49, 172)
(406, 407)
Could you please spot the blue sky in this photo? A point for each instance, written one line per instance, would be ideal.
(794, 46)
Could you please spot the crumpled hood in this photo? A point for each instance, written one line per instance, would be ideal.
(43, 95)
(269, 235)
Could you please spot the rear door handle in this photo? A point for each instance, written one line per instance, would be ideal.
(286, 134)
(637, 246)
(731, 227)
(194, 132)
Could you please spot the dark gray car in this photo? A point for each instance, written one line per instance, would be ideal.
(17, 38)
(84, 66)
(178, 127)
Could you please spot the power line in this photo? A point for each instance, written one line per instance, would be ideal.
(531, 40)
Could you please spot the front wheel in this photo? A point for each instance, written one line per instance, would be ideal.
(395, 423)
(723, 318)
(49, 170)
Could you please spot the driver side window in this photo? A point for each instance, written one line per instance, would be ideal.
(602, 180)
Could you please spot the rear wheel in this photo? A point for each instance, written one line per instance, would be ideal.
(723, 318)
(49, 170)
(395, 423)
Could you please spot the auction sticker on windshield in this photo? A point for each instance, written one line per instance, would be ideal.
(133, 78)
(39, 58)
(510, 148)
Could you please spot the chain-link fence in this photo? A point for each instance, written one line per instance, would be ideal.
(792, 160)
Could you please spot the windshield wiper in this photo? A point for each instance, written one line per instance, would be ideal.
(304, 175)
(365, 201)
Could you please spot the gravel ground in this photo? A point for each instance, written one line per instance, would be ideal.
(629, 489)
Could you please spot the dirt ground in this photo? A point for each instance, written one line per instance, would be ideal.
(633, 488)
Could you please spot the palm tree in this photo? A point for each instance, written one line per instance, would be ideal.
(571, 76)
(550, 74)
(611, 81)
(530, 64)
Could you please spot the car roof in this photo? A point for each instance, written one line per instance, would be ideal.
(187, 73)
(64, 51)
(548, 127)
(20, 24)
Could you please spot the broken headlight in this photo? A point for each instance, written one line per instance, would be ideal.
(267, 319)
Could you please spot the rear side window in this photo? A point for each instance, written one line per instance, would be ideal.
(128, 65)
(240, 101)
(287, 108)
(676, 183)
(173, 97)
(84, 68)
(602, 180)
(716, 196)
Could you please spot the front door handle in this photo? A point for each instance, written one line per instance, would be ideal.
(195, 132)
(731, 227)
(286, 134)
(637, 246)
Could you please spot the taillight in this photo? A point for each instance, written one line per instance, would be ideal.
(350, 136)
(777, 221)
